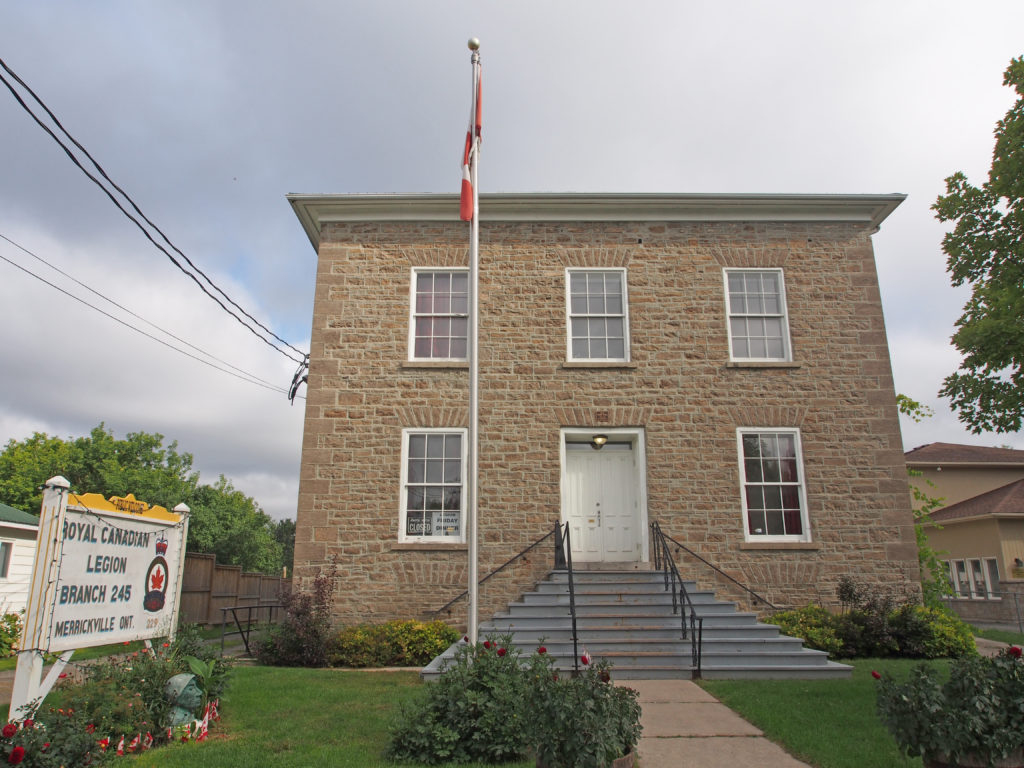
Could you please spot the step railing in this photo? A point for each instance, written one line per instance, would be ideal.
(562, 561)
(681, 601)
(755, 597)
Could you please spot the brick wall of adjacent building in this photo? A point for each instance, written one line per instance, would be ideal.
(679, 387)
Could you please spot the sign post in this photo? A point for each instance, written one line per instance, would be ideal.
(106, 571)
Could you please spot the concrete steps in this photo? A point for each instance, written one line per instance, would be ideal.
(626, 618)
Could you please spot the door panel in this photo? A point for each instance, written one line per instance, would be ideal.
(602, 510)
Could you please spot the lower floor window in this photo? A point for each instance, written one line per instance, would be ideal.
(774, 504)
(976, 577)
(433, 479)
(6, 548)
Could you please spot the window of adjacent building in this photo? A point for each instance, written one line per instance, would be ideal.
(598, 320)
(439, 324)
(6, 549)
(433, 482)
(976, 578)
(756, 303)
(774, 498)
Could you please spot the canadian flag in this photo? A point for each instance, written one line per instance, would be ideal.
(469, 153)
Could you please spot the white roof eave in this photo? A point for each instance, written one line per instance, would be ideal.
(315, 210)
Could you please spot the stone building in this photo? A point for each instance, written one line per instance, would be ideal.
(729, 350)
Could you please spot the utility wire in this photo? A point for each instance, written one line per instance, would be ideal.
(140, 331)
(135, 315)
(134, 220)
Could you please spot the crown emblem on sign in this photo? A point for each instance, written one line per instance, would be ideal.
(161, 545)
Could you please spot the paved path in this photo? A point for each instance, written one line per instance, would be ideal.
(686, 727)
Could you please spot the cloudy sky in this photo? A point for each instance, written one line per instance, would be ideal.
(207, 112)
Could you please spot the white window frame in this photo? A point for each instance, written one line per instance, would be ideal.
(403, 536)
(413, 314)
(787, 347)
(800, 485)
(569, 315)
(975, 590)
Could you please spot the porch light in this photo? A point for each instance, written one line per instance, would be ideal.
(597, 441)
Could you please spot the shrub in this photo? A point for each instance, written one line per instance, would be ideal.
(394, 644)
(52, 738)
(473, 713)
(303, 636)
(10, 633)
(578, 721)
(491, 707)
(978, 711)
(814, 624)
(930, 633)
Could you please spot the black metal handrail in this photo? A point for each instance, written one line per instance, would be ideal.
(250, 622)
(563, 558)
(757, 598)
(663, 561)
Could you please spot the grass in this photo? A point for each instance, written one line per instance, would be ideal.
(296, 718)
(827, 723)
(1013, 638)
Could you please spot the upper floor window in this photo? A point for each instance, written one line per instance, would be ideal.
(6, 549)
(756, 301)
(433, 482)
(439, 322)
(598, 318)
(774, 498)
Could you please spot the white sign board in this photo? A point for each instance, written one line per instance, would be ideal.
(106, 571)
(117, 580)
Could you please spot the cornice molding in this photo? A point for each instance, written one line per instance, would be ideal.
(315, 210)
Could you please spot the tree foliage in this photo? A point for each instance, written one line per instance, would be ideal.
(986, 250)
(224, 521)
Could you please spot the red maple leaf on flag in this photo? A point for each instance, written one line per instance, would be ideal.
(157, 580)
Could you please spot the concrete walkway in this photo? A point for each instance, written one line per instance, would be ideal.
(686, 727)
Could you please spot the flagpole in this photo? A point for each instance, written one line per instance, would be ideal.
(474, 360)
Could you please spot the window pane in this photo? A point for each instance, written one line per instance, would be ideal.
(794, 527)
(417, 470)
(417, 445)
(458, 348)
(580, 348)
(751, 446)
(616, 348)
(435, 446)
(578, 305)
(775, 525)
(993, 578)
(788, 470)
(772, 497)
(757, 523)
(435, 471)
(417, 524)
(752, 470)
(453, 446)
(771, 471)
(755, 497)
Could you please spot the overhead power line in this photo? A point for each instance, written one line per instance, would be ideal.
(241, 374)
(304, 357)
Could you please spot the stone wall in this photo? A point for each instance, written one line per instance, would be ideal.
(679, 387)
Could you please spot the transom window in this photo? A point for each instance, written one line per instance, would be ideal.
(440, 315)
(774, 504)
(433, 479)
(976, 578)
(598, 321)
(756, 301)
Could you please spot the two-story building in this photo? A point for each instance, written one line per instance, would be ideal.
(715, 363)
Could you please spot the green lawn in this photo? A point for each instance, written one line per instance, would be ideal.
(297, 718)
(1013, 638)
(827, 723)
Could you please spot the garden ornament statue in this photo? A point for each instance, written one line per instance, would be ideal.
(185, 696)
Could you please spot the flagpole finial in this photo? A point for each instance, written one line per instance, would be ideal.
(474, 43)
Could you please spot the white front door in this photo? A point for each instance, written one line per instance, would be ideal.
(602, 504)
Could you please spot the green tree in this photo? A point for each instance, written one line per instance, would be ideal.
(227, 523)
(224, 521)
(986, 250)
(284, 533)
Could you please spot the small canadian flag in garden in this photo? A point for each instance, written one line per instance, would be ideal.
(585, 657)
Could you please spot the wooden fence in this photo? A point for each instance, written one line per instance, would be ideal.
(207, 587)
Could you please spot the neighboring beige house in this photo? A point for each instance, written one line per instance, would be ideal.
(980, 527)
(18, 531)
(730, 350)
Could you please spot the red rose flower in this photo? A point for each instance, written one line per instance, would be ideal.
(501, 651)
(17, 755)
(875, 675)
(465, 638)
(605, 677)
(487, 643)
(1015, 651)
(9, 730)
(28, 723)
(542, 649)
